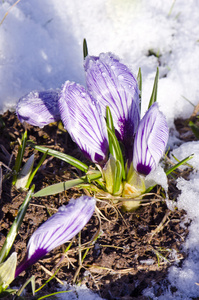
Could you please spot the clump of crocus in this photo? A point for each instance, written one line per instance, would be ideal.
(58, 229)
(104, 121)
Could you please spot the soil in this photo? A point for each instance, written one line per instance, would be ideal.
(133, 250)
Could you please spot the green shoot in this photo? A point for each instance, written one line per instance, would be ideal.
(7, 271)
(15, 226)
(179, 164)
(36, 169)
(65, 157)
(195, 129)
(63, 186)
(19, 158)
(139, 80)
(155, 89)
(32, 280)
(85, 48)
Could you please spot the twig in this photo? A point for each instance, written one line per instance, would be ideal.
(9, 11)
(51, 274)
(159, 227)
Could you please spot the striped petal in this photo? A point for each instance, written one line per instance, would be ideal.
(112, 84)
(150, 140)
(58, 229)
(39, 108)
(84, 122)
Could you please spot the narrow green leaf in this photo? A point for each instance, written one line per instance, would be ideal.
(172, 169)
(15, 226)
(36, 169)
(63, 186)
(54, 294)
(32, 280)
(195, 129)
(139, 80)
(19, 158)
(155, 89)
(85, 48)
(117, 149)
(65, 157)
(109, 119)
(117, 177)
(179, 164)
(24, 173)
(110, 124)
(7, 271)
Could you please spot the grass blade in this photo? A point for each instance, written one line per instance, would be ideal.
(24, 173)
(19, 158)
(15, 226)
(155, 89)
(110, 124)
(117, 178)
(195, 129)
(63, 186)
(85, 48)
(139, 80)
(65, 157)
(117, 149)
(36, 169)
(179, 164)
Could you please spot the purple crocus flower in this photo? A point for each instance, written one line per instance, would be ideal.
(58, 229)
(83, 112)
(83, 120)
(111, 83)
(39, 108)
(150, 140)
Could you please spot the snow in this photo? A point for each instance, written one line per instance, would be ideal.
(41, 48)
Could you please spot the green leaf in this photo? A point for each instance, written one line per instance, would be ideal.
(15, 226)
(85, 48)
(109, 119)
(155, 89)
(7, 271)
(65, 157)
(110, 124)
(117, 150)
(139, 80)
(63, 186)
(195, 129)
(19, 158)
(36, 169)
(32, 280)
(179, 164)
(24, 174)
(114, 146)
(117, 178)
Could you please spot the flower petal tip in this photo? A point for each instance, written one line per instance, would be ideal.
(112, 84)
(39, 108)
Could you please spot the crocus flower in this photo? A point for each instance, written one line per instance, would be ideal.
(111, 83)
(58, 229)
(150, 141)
(39, 108)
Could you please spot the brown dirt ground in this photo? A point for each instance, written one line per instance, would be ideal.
(115, 266)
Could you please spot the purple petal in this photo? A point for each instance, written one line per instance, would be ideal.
(112, 84)
(83, 120)
(39, 108)
(58, 229)
(150, 140)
